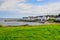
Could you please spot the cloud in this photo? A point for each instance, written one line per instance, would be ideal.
(10, 4)
(1, 1)
(22, 7)
(39, 9)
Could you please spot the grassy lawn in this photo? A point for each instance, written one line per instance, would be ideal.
(41, 32)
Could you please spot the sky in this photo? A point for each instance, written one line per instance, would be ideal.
(23, 8)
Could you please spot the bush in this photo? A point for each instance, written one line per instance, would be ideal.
(1, 26)
(26, 25)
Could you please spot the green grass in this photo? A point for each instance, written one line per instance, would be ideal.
(41, 32)
(50, 20)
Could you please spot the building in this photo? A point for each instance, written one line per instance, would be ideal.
(50, 16)
(57, 19)
(36, 18)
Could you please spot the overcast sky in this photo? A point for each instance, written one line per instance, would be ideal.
(21, 8)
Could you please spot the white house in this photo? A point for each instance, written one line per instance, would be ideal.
(57, 19)
(50, 17)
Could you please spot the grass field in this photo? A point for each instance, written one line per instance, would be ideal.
(41, 32)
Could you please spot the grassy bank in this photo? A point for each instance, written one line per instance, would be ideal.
(41, 32)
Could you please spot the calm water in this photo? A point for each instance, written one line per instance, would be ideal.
(19, 23)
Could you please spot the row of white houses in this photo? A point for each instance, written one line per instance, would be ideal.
(37, 18)
(41, 18)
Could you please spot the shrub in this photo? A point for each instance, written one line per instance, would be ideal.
(1, 26)
(26, 25)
